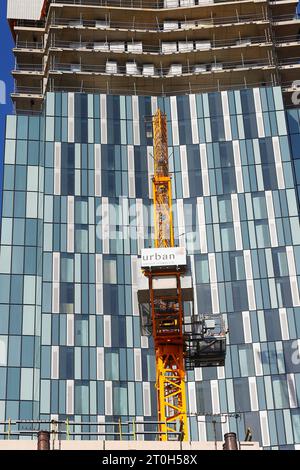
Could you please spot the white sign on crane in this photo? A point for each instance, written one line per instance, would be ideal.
(155, 257)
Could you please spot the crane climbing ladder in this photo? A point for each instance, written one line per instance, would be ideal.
(179, 344)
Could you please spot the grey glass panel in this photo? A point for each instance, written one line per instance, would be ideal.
(203, 397)
(81, 397)
(66, 362)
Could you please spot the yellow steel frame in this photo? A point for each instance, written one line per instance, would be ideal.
(171, 391)
(162, 190)
(167, 327)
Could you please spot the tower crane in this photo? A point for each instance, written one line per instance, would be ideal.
(178, 345)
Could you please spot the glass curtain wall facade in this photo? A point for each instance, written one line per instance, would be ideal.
(76, 213)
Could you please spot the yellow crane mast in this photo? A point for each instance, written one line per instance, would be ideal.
(167, 310)
(179, 344)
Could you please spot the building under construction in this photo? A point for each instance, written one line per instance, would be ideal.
(150, 239)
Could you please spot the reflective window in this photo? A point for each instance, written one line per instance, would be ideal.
(81, 390)
(281, 395)
(66, 362)
(109, 271)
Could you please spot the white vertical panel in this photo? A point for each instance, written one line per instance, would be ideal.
(215, 396)
(225, 104)
(264, 428)
(71, 103)
(251, 294)
(174, 120)
(236, 222)
(227, 128)
(150, 166)
(295, 291)
(253, 394)
(55, 297)
(56, 267)
(204, 170)
(212, 267)
(291, 261)
(154, 104)
(97, 156)
(202, 225)
(144, 342)
(105, 225)
(226, 116)
(146, 399)
(70, 397)
(292, 390)
(257, 359)
(55, 362)
(261, 326)
(271, 218)
(293, 274)
(137, 364)
(135, 120)
(136, 132)
(193, 108)
(135, 306)
(221, 372)
(194, 286)
(103, 116)
(238, 166)
(108, 398)
(192, 397)
(247, 327)
(258, 112)
(248, 264)
(198, 373)
(57, 167)
(99, 269)
(213, 283)
(278, 162)
(202, 429)
(70, 330)
(184, 172)
(284, 324)
(257, 101)
(131, 177)
(70, 225)
(107, 330)
(140, 231)
(100, 363)
(181, 226)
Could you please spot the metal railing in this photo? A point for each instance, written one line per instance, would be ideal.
(191, 46)
(29, 45)
(153, 49)
(155, 4)
(67, 429)
(158, 26)
(28, 68)
(162, 71)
